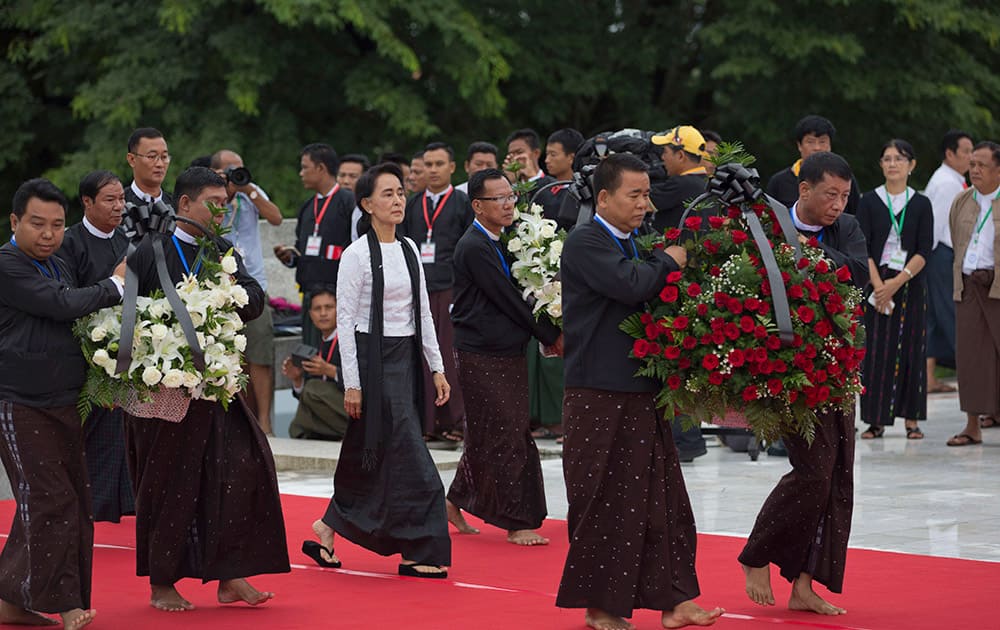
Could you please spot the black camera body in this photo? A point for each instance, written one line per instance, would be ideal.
(303, 352)
(238, 175)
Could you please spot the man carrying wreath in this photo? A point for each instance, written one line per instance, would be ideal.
(804, 524)
(631, 528)
(207, 502)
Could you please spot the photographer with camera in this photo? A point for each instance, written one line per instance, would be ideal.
(684, 158)
(247, 203)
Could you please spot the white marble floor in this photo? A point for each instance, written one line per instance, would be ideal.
(911, 496)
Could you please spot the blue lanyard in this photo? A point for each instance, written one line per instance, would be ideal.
(617, 241)
(819, 235)
(503, 261)
(41, 267)
(184, 261)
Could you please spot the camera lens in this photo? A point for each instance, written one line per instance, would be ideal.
(238, 175)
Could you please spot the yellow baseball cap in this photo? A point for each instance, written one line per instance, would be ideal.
(684, 137)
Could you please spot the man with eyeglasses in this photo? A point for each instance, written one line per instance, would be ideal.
(149, 160)
(499, 477)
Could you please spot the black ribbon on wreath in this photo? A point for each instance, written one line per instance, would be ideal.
(141, 223)
(736, 185)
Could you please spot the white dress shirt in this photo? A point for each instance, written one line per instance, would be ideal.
(944, 185)
(979, 255)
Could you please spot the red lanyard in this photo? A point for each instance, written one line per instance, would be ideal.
(318, 215)
(333, 344)
(429, 220)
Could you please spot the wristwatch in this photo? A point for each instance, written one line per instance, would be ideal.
(254, 194)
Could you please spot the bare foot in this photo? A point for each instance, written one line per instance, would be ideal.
(600, 620)
(805, 598)
(77, 618)
(17, 616)
(759, 585)
(325, 534)
(167, 598)
(690, 614)
(456, 518)
(239, 590)
(526, 537)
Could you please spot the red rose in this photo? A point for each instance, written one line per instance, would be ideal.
(680, 322)
(813, 242)
(759, 332)
(739, 237)
(736, 357)
(640, 348)
(735, 306)
(751, 303)
(717, 323)
(710, 362)
(823, 328)
(793, 396)
(763, 308)
(684, 363)
(654, 349)
(822, 267)
(711, 246)
(825, 287)
(823, 393)
(750, 393)
(785, 277)
(759, 355)
(674, 277)
(779, 366)
(843, 273)
(776, 229)
(671, 352)
(669, 294)
(718, 338)
(721, 299)
(803, 263)
(806, 314)
(765, 288)
(819, 376)
(674, 382)
(715, 378)
(773, 343)
(716, 222)
(809, 351)
(689, 343)
(715, 271)
(731, 331)
(795, 292)
(652, 331)
(702, 310)
(733, 212)
(646, 318)
(765, 367)
(694, 289)
(672, 234)
(692, 223)
(774, 386)
(747, 324)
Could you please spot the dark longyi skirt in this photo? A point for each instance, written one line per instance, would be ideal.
(978, 352)
(499, 478)
(399, 507)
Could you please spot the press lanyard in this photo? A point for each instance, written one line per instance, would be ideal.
(318, 215)
(617, 241)
(985, 218)
(429, 220)
(503, 261)
(333, 344)
(187, 269)
(898, 224)
(236, 212)
(40, 266)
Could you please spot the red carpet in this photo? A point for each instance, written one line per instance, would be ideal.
(497, 585)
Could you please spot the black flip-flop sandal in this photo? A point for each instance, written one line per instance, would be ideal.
(874, 431)
(314, 550)
(410, 570)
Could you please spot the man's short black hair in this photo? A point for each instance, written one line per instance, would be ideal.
(569, 138)
(814, 125)
(94, 181)
(196, 179)
(823, 163)
(480, 147)
(356, 158)
(993, 147)
(203, 160)
(419, 155)
(711, 136)
(395, 158)
(323, 289)
(139, 134)
(528, 135)
(436, 146)
(365, 188)
(323, 154)
(950, 141)
(477, 183)
(42, 189)
(608, 174)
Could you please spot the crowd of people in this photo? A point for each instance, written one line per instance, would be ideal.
(416, 336)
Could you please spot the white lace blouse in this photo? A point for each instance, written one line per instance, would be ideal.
(354, 297)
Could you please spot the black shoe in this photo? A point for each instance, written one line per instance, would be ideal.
(777, 449)
(686, 457)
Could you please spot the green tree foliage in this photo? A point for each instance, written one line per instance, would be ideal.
(265, 77)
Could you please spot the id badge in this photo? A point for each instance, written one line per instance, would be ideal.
(897, 259)
(313, 245)
(972, 254)
(427, 252)
(890, 249)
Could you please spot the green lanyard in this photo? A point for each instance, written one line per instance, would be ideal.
(898, 224)
(988, 213)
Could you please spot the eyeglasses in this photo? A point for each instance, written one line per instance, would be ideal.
(501, 198)
(890, 159)
(155, 157)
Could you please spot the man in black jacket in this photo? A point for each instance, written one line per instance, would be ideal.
(149, 160)
(46, 563)
(683, 156)
(804, 524)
